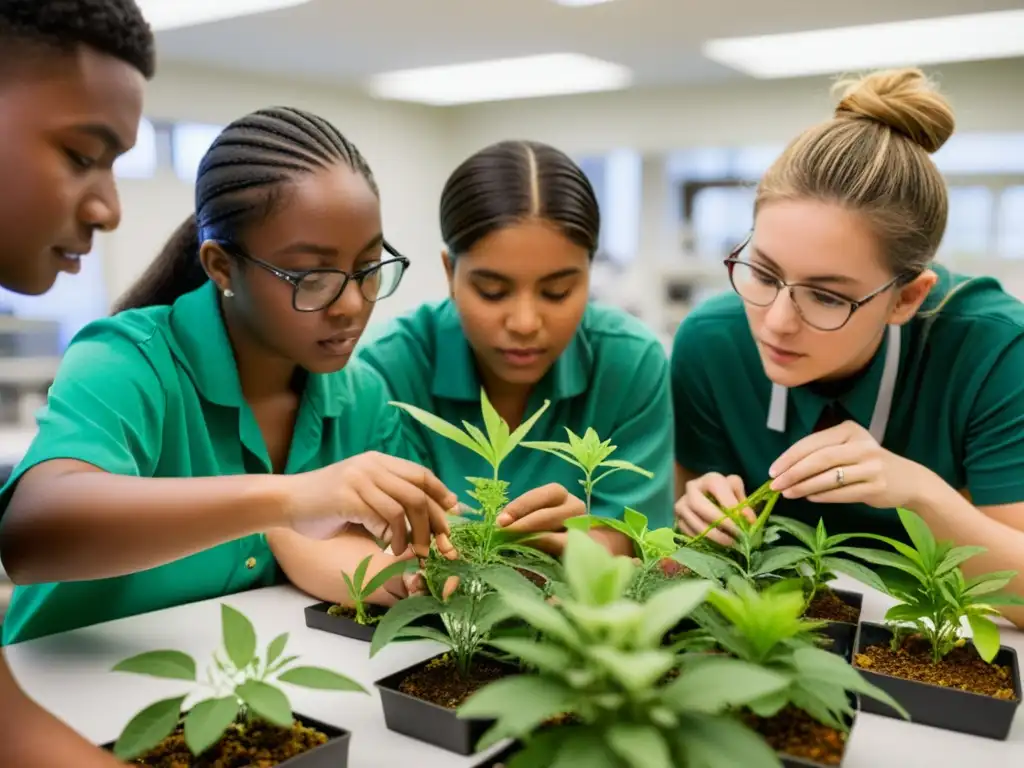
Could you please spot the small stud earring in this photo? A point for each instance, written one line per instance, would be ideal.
(228, 293)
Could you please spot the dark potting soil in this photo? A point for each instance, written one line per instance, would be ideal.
(793, 732)
(962, 668)
(439, 681)
(827, 606)
(258, 745)
(536, 578)
(374, 612)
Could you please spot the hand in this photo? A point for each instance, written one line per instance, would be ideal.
(398, 587)
(845, 465)
(386, 495)
(695, 512)
(542, 509)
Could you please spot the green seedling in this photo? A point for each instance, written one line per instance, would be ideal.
(240, 687)
(600, 668)
(360, 592)
(934, 596)
(589, 454)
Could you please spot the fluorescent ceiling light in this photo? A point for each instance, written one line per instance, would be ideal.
(580, 3)
(970, 37)
(555, 74)
(171, 14)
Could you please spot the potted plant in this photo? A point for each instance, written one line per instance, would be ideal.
(919, 655)
(809, 720)
(244, 713)
(596, 693)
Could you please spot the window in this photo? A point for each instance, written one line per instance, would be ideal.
(189, 142)
(982, 153)
(141, 161)
(969, 227)
(1010, 237)
(617, 178)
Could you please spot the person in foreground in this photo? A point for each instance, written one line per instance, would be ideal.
(71, 86)
(849, 367)
(520, 223)
(217, 404)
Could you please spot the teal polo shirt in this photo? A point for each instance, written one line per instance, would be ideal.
(155, 393)
(958, 404)
(613, 376)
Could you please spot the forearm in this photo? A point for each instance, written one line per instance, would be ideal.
(30, 737)
(80, 525)
(315, 567)
(951, 516)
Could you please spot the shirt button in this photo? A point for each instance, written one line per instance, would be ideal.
(250, 563)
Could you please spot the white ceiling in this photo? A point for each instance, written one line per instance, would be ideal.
(343, 41)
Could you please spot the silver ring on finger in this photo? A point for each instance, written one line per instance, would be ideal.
(840, 477)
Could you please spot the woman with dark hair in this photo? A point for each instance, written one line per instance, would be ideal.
(218, 405)
(520, 223)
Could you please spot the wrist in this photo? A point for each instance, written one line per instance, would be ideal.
(268, 502)
(928, 493)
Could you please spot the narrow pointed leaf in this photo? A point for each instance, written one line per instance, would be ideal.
(520, 703)
(446, 430)
(628, 466)
(779, 559)
(239, 636)
(718, 683)
(516, 437)
(854, 570)
(207, 721)
(956, 556)
(667, 607)
(170, 665)
(921, 535)
(148, 728)
(319, 679)
(385, 574)
(399, 616)
(798, 530)
(276, 648)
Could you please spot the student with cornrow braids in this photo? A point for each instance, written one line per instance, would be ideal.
(219, 404)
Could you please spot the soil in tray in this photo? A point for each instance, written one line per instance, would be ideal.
(257, 746)
(795, 733)
(962, 668)
(828, 606)
(439, 681)
(374, 612)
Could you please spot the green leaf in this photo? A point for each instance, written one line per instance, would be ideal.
(907, 612)
(708, 741)
(989, 582)
(956, 556)
(821, 665)
(707, 565)
(497, 428)
(640, 746)
(516, 437)
(627, 466)
(519, 704)
(594, 575)
(854, 570)
(545, 656)
(778, 559)
(1003, 598)
(561, 450)
(207, 721)
(985, 635)
(384, 574)
(239, 636)
(666, 608)
(319, 678)
(921, 536)
(148, 728)
(276, 648)
(446, 430)
(267, 702)
(799, 530)
(636, 670)
(888, 559)
(713, 684)
(400, 615)
(360, 576)
(540, 615)
(170, 665)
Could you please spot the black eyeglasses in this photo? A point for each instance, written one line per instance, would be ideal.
(818, 307)
(316, 289)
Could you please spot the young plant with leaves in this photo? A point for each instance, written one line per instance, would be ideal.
(240, 684)
(589, 454)
(934, 596)
(765, 628)
(600, 666)
(359, 592)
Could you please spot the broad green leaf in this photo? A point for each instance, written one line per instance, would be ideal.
(854, 570)
(586, 564)
(911, 554)
(239, 636)
(1003, 598)
(148, 728)
(956, 556)
(519, 703)
(266, 702)
(706, 741)
(666, 608)
(399, 616)
(523, 429)
(798, 530)
(503, 580)
(819, 664)
(170, 665)
(584, 747)
(640, 746)
(540, 615)
(888, 559)
(586, 522)
(921, 535)
(382, 576)
(627, 466)
(989, 582)
(707, 565)
(276, 648)
(778, 559)
(906, 612)
(320, 679)
(207, 721)
(634, 671)
(635, 521)
(985, 634)
(713, 684)
(416, 632)
(446, 430)
(545, 656)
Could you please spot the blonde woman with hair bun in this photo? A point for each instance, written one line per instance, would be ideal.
(846, 364)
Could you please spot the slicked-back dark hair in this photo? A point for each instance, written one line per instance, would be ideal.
(242, 178)
(114, 27)
(514, 181)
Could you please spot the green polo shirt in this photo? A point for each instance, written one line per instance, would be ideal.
(958, 406)
(155, 393)
(613, 377)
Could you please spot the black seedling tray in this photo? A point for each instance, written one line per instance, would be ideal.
(800, 762)
(948, 708)
(426, 721)
(317, 617)
(843, 637)
(333, 754)
(852, 599)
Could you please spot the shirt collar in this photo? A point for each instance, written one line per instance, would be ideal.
(455, 373)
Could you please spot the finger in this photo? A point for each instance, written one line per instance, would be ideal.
(544, 520)
(705, 510)
(823, 460)
(414, 583)
(422, 511)
(422, 478)
(379, 513)
(736, 483)
(723, 491)
(696, 525)
(445, 546)
(545, 497)
(550, 543)
(450, 585)
(812, 443)
(827, 481)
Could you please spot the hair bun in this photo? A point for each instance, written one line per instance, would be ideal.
(903, 100)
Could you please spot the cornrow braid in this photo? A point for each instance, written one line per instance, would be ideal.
(241, 179)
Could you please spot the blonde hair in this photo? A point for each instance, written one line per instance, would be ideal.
(873, 157)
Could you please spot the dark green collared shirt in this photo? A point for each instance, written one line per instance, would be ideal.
(958, 405)
(155, 393)
(613, 377)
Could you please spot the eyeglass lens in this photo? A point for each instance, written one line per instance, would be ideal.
(820, 309)
(319, 289)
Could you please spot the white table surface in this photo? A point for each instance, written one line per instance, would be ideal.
(69, 675)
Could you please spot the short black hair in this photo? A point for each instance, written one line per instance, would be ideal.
(114, 27)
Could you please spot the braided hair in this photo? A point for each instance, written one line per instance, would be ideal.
(242, 178)
(513, 181)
